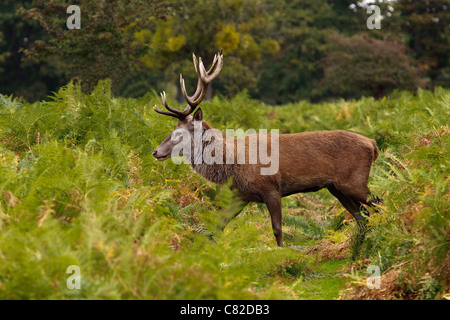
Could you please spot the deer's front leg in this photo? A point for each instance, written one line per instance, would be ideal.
(273, 203)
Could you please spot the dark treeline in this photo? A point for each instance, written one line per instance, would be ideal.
(280, 51)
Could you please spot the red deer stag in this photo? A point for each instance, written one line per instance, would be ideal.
(309, 161)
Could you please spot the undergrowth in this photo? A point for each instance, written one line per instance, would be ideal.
(79, 186)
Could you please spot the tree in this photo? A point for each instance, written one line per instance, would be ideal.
(104, 47)
(30, 80)
(302, 29)
(357, 66)
(427, 26)
(278, 50)
(243, 29)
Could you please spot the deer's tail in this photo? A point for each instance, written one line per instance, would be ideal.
(376, 152)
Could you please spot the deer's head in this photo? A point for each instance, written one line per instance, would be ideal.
(186, 121)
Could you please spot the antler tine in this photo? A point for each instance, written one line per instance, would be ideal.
(199, 83)
(213, 65)
(194, 59)
(197, 91)
(166, 105)
(172, 112)
(205, 76)
(166, 113)
(193, 104)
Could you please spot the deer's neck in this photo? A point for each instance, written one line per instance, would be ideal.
(210, 160)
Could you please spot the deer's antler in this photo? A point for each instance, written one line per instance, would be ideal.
(204, 79)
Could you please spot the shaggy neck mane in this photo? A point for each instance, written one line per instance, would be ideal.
(217, 173)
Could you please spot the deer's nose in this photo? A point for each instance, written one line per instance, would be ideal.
(154, 153)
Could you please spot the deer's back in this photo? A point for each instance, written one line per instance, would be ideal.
(310, 161)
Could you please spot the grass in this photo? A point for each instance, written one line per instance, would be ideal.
(322, 289)
(79, 186)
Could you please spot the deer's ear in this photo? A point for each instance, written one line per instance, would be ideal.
(198, 115)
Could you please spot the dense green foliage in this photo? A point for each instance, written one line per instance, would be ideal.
(426, 25)
(280, 51)
(32, 80)
(105, 47)
(79, 187)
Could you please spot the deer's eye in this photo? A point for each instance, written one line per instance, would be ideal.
(177, 135)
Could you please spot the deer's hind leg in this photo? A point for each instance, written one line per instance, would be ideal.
(358, 211)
